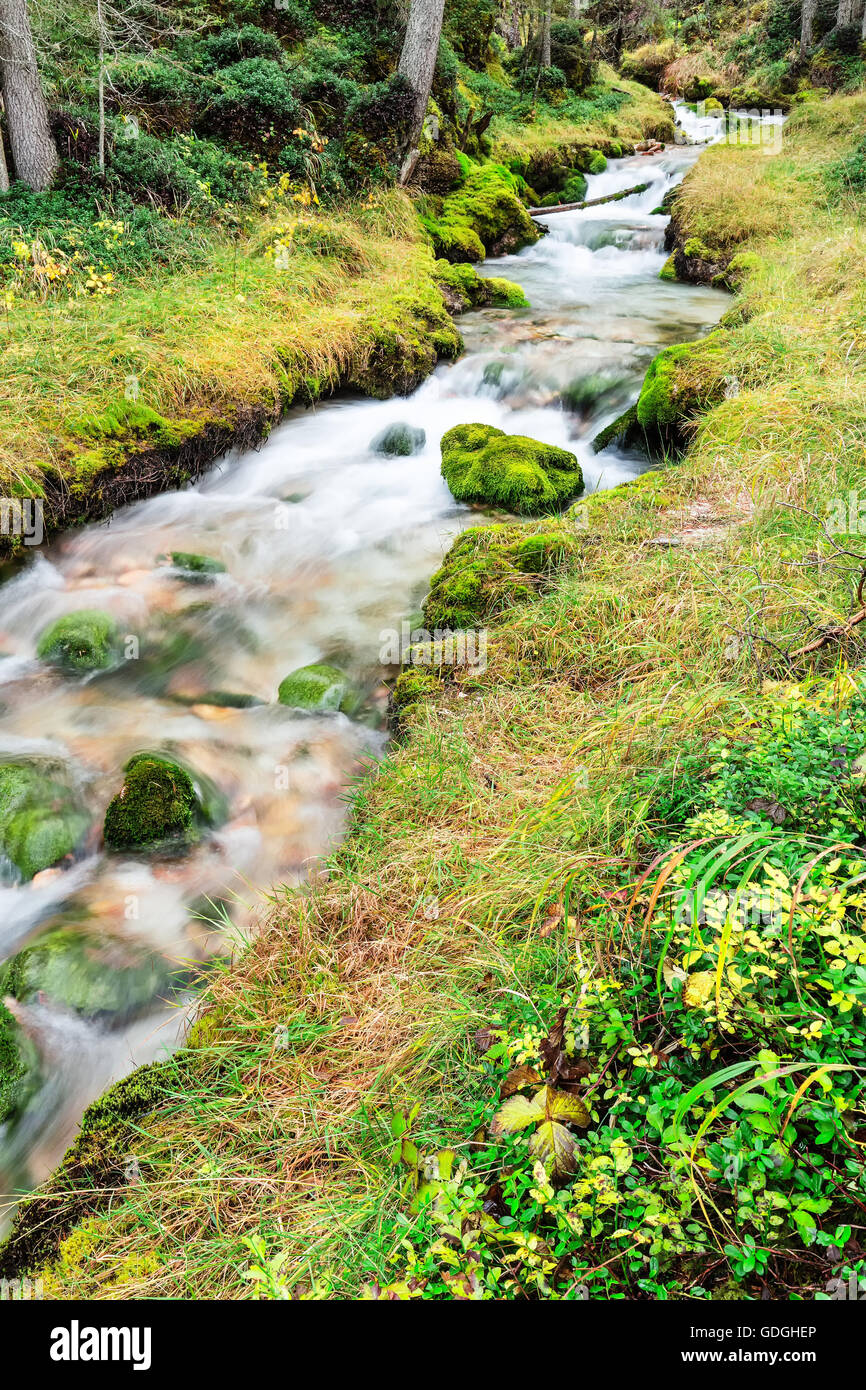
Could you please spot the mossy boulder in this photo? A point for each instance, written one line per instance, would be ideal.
(157, 805)
(18, 1066)
(669, 269)
(80, 642)
(484, 217)
(94, 977)
(681, 383)
(574, 189)
(485, 465)
(40, 821)
(463, 288)
(596, 163)
(400, 440)
(488, 568)
(404, 342)
(318, 688)
(505, 294)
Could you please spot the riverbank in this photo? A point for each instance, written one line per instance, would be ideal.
(505, 865)
(118, 383)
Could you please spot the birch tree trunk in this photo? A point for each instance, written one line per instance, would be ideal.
(33, 153)
(417, 65)
(807, 21)
(545, 35)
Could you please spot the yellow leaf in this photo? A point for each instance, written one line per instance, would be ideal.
(554, 1146)
(698, 988)
(568, 1109)
(517, 1113)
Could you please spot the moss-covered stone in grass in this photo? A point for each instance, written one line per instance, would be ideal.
(489, 568)
(80, 642)
(483, 464)
(318, 688)
(156, 805)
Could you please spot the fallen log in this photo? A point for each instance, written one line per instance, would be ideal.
(589, 202)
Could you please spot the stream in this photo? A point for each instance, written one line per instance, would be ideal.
(327, 547)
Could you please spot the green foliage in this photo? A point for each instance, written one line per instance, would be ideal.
(483, 464)
(719, 1070)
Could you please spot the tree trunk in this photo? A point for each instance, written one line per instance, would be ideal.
(845, 14)
(101, 25)
(545, 35)
(33, 151)
(4, 172)
(807, 21)
(417, 65)
(863, 30)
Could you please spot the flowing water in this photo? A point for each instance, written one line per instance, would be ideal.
(327, 547)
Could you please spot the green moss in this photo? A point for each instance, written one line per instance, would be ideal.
(87, 640)
(698, 249)
(505, 294)
(597, 162)
(13, 1067)
(40, 823)
(156, 805)
(484, 217)
(669, 269)
(574, 189)
(412, 688)
(404, 344)
(131, 420)
(463, 288)
(484, 464)
(317, 688)
(681, 382)
(89, 975)
(487, 568)
(196, 567)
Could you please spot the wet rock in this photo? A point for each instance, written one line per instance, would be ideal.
(77, 643)
(196, 569)
(40, 823)
(483, 464)
(399, 441)
(18, 1066)
(317, 688)
(159, 805)
(94, 977)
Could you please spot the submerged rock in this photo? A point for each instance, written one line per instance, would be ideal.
(92, 976)
(317, 688)
(399, 441)
(18, 1066)
(87, 640)
(681, 383)
(483, 464)
(196, 569)
(40, 823)
(156, 805)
